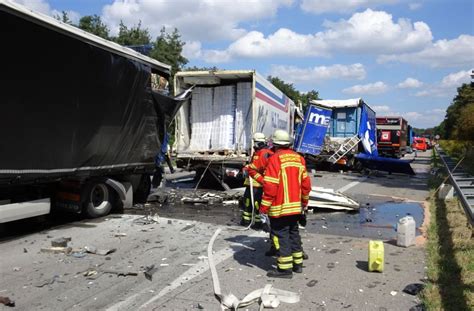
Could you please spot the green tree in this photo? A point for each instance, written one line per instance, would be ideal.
(454, 112)
(64, 17)
(289, 90)
(168, 49)
(135, 35)
(196, 68)
(94, 25)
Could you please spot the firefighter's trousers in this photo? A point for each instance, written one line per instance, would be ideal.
(247, 205)
(286, 237)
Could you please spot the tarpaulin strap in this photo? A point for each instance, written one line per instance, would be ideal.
(267, 297)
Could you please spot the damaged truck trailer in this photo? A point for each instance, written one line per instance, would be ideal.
(214, 130)
(81, 125)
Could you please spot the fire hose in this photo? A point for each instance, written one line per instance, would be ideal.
(267, 297)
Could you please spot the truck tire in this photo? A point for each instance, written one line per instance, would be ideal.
(98, 199)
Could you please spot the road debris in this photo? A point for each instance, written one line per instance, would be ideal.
(120, 235)
(101, 252)
(188, 227)
(312, 283)
(149, 271)
(230, 202)
(7, 301)
(393, 293)
(414, 288)
(16, 269)
(60, 242)
(49, 281)
(57, 250)
(120, 273)
(147, 220)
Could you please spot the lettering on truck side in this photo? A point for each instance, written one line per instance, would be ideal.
(319, 119)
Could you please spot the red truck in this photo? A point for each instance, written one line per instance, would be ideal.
(392, 136)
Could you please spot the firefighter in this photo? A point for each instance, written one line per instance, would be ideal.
(286, 191)
(255, 169)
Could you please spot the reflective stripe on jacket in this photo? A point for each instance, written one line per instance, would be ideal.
(286, 184)
(257, 166)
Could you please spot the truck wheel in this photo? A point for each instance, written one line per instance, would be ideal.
(98, 200)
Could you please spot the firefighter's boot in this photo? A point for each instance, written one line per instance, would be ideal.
(278, 273)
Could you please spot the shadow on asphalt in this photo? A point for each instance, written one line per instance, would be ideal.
(252, 258)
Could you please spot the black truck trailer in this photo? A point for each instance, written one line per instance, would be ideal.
(80, 123)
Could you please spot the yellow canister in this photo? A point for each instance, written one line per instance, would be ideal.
(376, 257)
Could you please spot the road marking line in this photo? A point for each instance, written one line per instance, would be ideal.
(349, 186)
(187, 276)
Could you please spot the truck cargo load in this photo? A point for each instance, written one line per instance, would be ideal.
(74, 108)
(215, 128)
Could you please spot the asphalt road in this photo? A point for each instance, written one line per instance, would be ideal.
(335, 275)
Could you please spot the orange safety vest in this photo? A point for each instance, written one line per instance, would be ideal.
(257, 166)
(286, 184)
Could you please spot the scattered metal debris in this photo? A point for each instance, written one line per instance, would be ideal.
(120, 235)
(101, 252)
(149, 271)
(7, 301)
(60, 242)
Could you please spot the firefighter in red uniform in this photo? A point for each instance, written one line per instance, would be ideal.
(286, 191)
(255, 170)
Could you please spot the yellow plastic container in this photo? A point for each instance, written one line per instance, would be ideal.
(376, 257)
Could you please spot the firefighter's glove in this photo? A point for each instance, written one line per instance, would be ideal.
(302, 220)
(264, 209)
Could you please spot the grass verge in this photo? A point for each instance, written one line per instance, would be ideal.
(450, 254)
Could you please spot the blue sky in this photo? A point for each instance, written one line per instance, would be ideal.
(402, 57)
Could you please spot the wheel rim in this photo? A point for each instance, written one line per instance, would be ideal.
(99, 196)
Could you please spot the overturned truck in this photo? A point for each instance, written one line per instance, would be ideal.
(81, 125)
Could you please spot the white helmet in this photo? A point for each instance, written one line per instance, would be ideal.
(281, 138)
(259, 137)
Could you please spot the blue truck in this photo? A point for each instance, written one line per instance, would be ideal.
(343, 132)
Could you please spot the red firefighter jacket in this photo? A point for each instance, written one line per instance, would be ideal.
(286, 184)
(257, 166)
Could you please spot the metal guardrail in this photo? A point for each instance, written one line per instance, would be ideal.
(462, 182)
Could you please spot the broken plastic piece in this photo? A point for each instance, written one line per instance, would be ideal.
(7, 301)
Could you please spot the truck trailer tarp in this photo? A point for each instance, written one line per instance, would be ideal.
(70, 104)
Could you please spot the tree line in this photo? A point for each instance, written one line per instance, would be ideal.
(458, 123)
(166, 48)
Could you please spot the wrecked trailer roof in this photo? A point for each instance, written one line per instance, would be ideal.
(72, 31)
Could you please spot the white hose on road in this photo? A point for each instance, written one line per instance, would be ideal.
(267, 297)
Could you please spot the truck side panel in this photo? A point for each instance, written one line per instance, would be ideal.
(272, 108)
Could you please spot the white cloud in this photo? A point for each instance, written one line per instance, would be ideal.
(447, 86)
(43, 6)
(192, 49)
(414, 6)
(36, 5)
(381, 109)
(410, 83)
(366, 89)
(318, 73)
(196, 20)
(455, 80)
(354, 35)
(340, 6)
(442, 53)
(425, 119)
